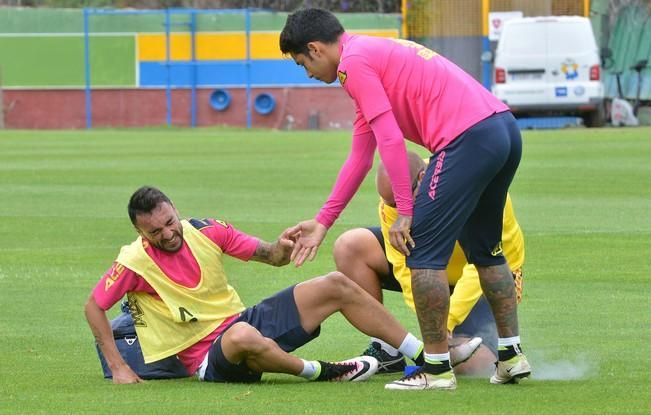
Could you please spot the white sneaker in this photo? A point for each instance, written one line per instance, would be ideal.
(464, 351)
(512, 370)
(420, 380)
(351, 370)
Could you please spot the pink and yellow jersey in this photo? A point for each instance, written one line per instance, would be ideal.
(401, 90)
(182, 268)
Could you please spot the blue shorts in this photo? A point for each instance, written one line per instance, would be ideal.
(462, 196)
(277, 318)
(479, 322)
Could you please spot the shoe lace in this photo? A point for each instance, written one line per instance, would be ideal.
(418, 373)
(334, 371)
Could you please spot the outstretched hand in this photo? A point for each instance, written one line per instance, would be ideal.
(123, 374)
(399, 235)
(307, 237)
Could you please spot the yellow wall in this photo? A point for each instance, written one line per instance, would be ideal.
(221, 46)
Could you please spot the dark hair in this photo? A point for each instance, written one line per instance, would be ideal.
(309, 25)
(144, 200)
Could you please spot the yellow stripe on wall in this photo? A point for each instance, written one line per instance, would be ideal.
(221, 46)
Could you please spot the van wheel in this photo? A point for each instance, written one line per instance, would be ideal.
(596, 118)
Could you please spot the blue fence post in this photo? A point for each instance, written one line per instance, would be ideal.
(486, 74)
(168, 89)
(247, 25)
(89, 108)
(193, 98)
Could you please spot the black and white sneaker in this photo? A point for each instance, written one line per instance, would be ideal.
(351, 370)
(387, 363)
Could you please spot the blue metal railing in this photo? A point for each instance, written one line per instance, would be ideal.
(192, 26)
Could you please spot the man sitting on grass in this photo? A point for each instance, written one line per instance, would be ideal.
(182, 304)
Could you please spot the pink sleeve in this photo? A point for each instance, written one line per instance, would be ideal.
(351, 175)
(393, 152)
(115, 283)
(233, 242)
(364, 85)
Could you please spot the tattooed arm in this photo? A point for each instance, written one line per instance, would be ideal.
(101, 329)
(277, 253)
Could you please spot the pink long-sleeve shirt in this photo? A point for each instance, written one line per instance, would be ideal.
(401, 90)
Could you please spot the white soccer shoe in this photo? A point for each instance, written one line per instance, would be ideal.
(420, 380)
(512, 370)
(464, 351)
(356, 369)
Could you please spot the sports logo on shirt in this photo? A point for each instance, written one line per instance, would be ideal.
(221, 222)
(342, 77)
(422, 51)
(497, 250)
(116, 272)
(136, 311)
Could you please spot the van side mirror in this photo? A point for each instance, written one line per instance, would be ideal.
(486, 56)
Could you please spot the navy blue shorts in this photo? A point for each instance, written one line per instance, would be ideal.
(387, 282)
(479, 322)
(276, 318)
(462, 196)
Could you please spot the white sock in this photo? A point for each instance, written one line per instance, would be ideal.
(311, 369)
(411, 346)
(508, 341)
(436, 358)
(385, 346)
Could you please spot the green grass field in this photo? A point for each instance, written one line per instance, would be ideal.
(583, 198)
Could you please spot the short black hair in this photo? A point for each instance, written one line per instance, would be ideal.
(144, 200)
(309, 25)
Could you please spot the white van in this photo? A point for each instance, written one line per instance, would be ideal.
(550, 65)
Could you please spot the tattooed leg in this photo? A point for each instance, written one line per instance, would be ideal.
(499, 289)
(432, 299)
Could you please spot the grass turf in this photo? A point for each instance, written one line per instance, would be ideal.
(582, 197)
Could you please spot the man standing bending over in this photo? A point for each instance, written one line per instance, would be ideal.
(402, 89)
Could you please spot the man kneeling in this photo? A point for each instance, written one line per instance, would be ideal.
(183, 306)
(364, 255)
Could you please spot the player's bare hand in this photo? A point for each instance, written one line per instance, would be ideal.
(309, 234)
(292, 233)
(123, 374)
(399, 235)
(282, 250)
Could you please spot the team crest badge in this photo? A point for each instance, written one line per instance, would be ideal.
(497, 250)
(342, 77)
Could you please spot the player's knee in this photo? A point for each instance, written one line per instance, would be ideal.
(345, 248)
(245, 338)
(339, 286)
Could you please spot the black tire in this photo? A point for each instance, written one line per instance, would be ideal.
(596, 118)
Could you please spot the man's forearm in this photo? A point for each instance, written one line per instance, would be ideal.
(272, 253)
(103, 334)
